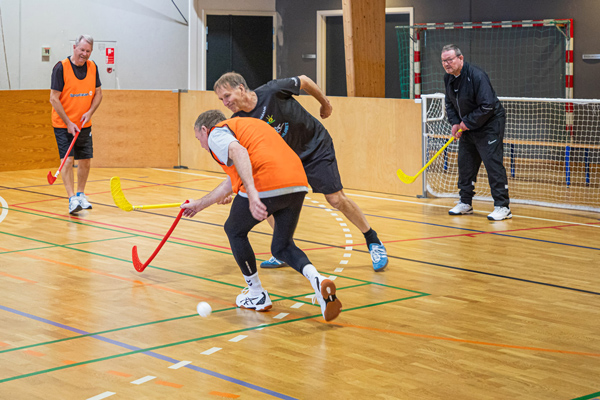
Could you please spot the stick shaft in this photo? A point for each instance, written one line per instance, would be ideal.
(68, 152)
(153, 206)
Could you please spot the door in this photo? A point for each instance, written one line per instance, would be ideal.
(239, 43)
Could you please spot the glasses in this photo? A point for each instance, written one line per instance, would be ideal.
(449, 61)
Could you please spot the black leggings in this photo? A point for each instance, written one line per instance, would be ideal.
(286, 211)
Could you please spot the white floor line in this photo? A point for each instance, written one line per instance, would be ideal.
(143, 380)
(238, 338)
(180, 364)
(477, 211)
(102, 396)
(210, 351)
(281, 315)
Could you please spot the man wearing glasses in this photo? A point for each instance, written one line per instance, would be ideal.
(477, 118)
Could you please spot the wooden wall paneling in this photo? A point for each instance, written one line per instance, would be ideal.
(136, 128)
(372, 139)
(26, 135)
(193, 103)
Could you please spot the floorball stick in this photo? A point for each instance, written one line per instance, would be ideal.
(123, 204)
(52, 178)
(139, 267)
(410, 179)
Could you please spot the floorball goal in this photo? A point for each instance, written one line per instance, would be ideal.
(551, 152)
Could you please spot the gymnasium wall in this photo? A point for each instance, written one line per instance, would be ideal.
(372, 139)
(130, 129)
(136, 128)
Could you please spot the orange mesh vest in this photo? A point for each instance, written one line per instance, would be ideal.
(76, 97)
(274, 164)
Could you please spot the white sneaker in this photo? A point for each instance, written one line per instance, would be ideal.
(500, 213)
(85, 204)
(261, 302)
(331, 306)
(74, 205)
(461, 209)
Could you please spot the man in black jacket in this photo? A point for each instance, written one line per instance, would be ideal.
(477, 118)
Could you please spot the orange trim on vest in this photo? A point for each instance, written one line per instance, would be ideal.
(76, 96)
(274, 164)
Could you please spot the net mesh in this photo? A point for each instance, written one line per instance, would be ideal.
(522, 60)
(551, 152)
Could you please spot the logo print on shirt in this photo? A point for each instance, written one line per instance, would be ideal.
(270, 120)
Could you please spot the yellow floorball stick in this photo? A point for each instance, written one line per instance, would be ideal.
(410, 179)
(123, 204)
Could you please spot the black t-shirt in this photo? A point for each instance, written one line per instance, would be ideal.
(302, 132)
(58, 78)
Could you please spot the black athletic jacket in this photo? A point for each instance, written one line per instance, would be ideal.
(471, 98)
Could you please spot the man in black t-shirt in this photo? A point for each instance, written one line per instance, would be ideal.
(275, 104)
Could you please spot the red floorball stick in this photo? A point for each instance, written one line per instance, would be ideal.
(52, 178)
(139, 267)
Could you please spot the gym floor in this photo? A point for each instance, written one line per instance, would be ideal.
(466, 309)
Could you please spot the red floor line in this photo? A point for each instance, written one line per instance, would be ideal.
(125, 228)
(108, 191)
(425, 336)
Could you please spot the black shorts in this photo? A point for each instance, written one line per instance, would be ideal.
(83, 148)
(322, 171)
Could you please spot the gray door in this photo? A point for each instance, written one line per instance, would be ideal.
(239, 43)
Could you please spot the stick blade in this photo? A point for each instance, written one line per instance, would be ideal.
(51, 178)
(118, 196)
(405, 178)
(137, 264)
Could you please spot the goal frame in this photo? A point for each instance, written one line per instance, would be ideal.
(416, 31)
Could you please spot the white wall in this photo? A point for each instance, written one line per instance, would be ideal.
(155, 48)
(151, 36)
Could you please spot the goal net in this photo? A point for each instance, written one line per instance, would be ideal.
(522, 58)
(551, 152)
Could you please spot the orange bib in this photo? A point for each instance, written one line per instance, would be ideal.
(274, 163)
(76, 96)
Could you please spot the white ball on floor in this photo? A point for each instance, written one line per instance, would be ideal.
(203, 309)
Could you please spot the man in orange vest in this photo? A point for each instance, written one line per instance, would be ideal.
(269, 179)
(75, 94)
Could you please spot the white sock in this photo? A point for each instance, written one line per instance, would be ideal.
(254, 283)
(310, 272)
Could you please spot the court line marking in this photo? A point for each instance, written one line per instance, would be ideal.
(467, 341)
(102, 396)
(180, 364)
(143, 380)
(390, 256)
(591, 224)
(420, 203)
(4, 212)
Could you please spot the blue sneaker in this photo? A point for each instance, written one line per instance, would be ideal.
(378, 256)
(273, 263)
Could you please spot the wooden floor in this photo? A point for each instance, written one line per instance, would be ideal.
(467, 308)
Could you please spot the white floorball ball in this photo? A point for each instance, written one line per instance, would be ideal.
(203, 309)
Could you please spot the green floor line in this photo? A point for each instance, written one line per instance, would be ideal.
(193, 315)
(180, 342)
(589, 396)
(122, 231)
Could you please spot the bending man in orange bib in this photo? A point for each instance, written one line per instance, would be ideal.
(270, 180)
